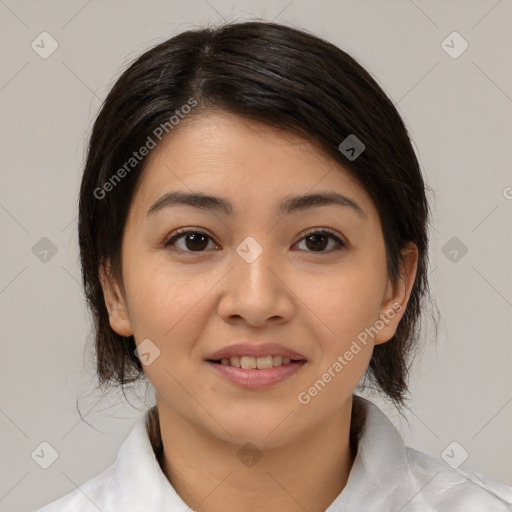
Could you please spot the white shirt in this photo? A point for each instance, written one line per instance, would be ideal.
(386, 476)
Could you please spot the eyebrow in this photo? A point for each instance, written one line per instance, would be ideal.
(289, 204)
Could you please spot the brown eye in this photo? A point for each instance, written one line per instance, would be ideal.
(317, 241)
(193, 241)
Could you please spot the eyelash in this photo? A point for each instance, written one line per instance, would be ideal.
(176, 235)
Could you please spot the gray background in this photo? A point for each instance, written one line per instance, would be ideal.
(458, 113)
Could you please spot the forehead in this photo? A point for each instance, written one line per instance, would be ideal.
(250, 162)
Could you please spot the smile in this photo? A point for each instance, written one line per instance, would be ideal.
(250, 362)
(255, 373)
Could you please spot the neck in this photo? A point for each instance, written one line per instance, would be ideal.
(209, 475)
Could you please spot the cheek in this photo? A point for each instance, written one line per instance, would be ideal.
(346, 300)
(162, 299)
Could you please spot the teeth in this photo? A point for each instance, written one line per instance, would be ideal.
(249, 362)
(264, 363)
(234, 361)
(277, 360)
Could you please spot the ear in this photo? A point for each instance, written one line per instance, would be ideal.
(397, 295)
(115, 302)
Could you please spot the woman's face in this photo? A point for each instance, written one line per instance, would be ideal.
(252, 272)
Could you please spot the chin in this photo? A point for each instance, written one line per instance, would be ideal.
(265, 429)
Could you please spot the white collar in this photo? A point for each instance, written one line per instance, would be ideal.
(386, 476)
(379, 462)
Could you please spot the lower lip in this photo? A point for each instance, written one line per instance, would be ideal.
(257, 379)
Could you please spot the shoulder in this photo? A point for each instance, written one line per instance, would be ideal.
(98, 493)
(403, 478)
(464, 490)
(134, 483)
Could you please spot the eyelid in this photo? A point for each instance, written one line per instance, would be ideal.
(328, 231)
(181, 231)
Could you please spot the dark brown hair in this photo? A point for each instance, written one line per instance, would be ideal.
(281, 76)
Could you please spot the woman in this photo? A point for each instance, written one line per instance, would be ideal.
(253, 236)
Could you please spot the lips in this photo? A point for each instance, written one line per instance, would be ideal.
(255, 365)
(254, 350)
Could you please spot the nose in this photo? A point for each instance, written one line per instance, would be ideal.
(256, 290)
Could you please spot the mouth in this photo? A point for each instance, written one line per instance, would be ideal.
(256, 373)
(252, 363)
(255, 366)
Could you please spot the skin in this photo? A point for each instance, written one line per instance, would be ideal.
(190, 304)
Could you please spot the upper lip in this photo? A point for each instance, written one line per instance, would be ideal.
(254, 350)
